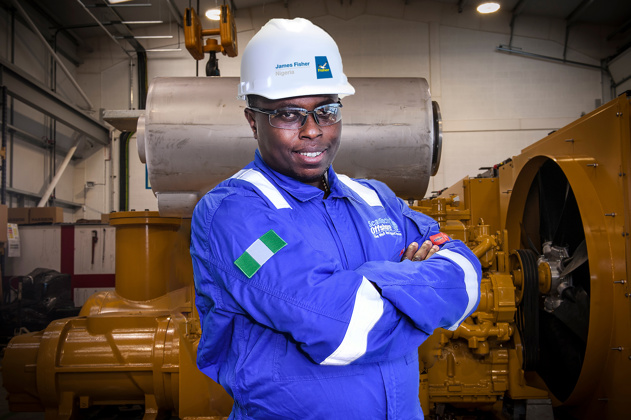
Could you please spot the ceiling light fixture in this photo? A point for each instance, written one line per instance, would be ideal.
(140, 22)
(488, 7)
(213, 14)
(164, 50)
(145, 37)
(111, 4)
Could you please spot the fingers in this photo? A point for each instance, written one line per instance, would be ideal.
(410, 251)
(414, 253)
(434, 249)
(422, 252)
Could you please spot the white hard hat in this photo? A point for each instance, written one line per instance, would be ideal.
(292, 57)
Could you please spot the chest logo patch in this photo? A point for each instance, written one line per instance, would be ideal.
(382, 227)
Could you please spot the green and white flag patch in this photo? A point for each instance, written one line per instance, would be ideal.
(259, 252)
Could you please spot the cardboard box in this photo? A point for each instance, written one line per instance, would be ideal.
(4, 219)
(46, 215)
(18, 215)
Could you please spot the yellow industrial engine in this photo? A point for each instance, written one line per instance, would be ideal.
(550, 227)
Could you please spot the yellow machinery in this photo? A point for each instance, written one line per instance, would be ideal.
(136, 345)
(194, 35)
(551, 229)
(550, 226)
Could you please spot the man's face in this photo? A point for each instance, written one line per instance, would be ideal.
(291, 152)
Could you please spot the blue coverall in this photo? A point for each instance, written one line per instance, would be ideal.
(306, 310)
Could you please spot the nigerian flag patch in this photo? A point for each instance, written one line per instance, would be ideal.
(259, 252)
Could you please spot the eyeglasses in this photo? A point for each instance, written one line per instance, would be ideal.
(294, 118)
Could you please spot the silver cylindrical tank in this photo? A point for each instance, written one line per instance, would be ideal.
(194, 135)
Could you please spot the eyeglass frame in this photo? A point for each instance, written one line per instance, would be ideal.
(271, 112)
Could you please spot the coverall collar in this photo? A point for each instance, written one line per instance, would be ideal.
(301, 191)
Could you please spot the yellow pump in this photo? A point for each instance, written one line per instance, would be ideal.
(136, 345)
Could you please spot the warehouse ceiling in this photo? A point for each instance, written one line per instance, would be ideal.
(81, 19)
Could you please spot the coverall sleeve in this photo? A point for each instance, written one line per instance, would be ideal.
(335, 314)
(430, 292)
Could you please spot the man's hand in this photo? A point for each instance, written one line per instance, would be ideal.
(414, 253)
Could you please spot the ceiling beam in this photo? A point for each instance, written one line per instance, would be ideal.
(571, 19)
(102, 27)
(517, 10)
(620, 29)
(578, 11)
(176, 13)
(70, 41)
(29, 91)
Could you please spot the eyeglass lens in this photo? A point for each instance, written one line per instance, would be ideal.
(293, 118)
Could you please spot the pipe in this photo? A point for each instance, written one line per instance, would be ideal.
(55, 56)
(5, 133)
(58, 175)
(486, 244)
(142, 79)
(502, 330)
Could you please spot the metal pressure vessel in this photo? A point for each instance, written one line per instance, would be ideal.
(194, 135)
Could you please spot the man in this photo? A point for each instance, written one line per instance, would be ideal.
(307, 310)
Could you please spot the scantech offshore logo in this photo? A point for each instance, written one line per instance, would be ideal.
(323, 70)
(383, 226)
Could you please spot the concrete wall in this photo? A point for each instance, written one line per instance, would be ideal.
(493, 104)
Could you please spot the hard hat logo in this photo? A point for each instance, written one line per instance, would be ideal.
(322, 68)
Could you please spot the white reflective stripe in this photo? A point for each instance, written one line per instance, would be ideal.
(367, 310)
(368, 195)
(259, 181)
(260, 252)
(470, 281)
